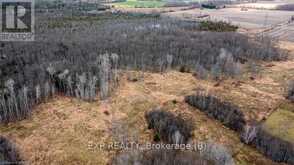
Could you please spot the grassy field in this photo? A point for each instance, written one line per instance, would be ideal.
(44, 138)
(280, 123)
(140, 4)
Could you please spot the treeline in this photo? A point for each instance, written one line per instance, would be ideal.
(217, 26)
(274, 147)
(290, 91)
(73, 60)
(147, 43)
(32, 83)
(8, 153)
(251, 132)
(286, 7)
(160, 157)
(229, 114)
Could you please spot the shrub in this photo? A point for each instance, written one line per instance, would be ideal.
(160, 157)
(172, 129)
(217, 26)
(217, 153)
(226, 112)
(225, 65)
(156, 137)
(8, 152)
(250, 132)
(287, 7)
(184, 69)
(290, 91)
(212, 154)
(200, 72)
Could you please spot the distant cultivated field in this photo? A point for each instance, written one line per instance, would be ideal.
(250, 19)
(140, 4)
(266, 4)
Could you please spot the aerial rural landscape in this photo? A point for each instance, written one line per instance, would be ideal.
(147, 82)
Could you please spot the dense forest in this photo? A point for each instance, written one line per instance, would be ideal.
(33, 72)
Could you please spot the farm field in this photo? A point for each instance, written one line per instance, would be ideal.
(251, 19)
(140, 4)
(272, 22)
(266, 4)
(284, 32)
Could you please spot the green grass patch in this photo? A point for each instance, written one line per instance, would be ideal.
(140, 4)
(281, 123)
